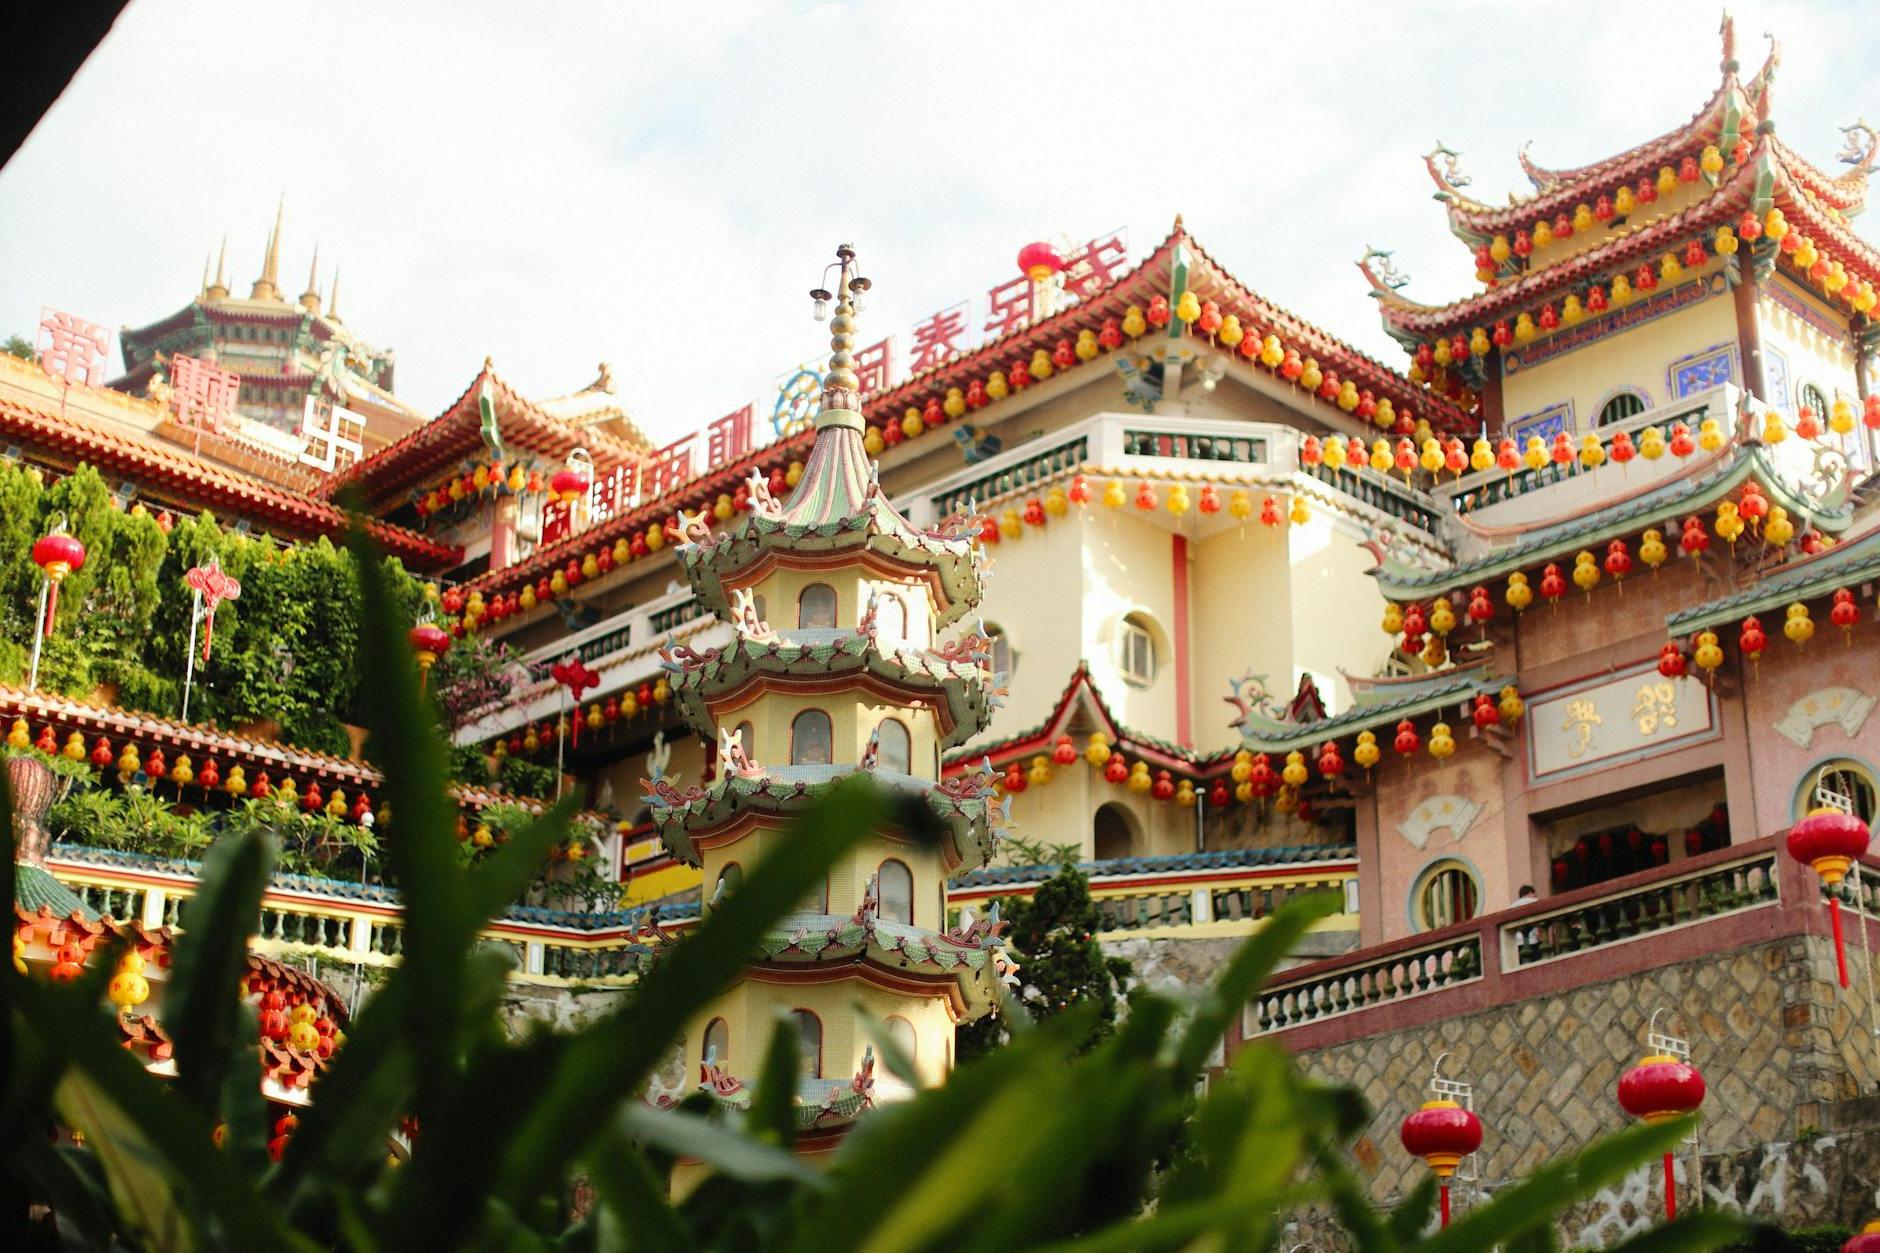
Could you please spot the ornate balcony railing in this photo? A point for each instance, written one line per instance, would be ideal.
(1362, 984)
(1385, 495)
(1015, 477)
(1686, 910)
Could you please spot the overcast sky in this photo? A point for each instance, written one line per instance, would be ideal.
(657, 186)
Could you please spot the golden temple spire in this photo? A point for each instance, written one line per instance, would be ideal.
(268, 286)
(332, 304)
(204, 289)
(841, 390)
(310, 299)
(218, 290)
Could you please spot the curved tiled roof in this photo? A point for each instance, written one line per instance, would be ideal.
(1219, 859)
(1802, 579)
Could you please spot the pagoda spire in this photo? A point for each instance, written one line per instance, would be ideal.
(310, 299)
(332, 304)
(268, 286)
(203, 290)
(842, 388)
(218, 290)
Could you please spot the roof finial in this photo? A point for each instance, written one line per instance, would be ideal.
(310, 299)
(268, 286)
(842, 389)
(218, 290)
(1728, 33)
(332, 303)
(204, 289)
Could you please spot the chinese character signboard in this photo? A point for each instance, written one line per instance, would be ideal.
(937, 340)
(204, 395)
(72, 349)
(1612, 720)
(335, 436)
(728, 439)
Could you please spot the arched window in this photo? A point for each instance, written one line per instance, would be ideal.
(1839, 777)
(1812, 397)
(717, 1046)
(1627, 404)
(1115, 834)
(901, 1031)
(729, 880)
(745, 733)
(809, 1038)
(897, 891)
(897, 747)
(1446, 893)
(1004, 660)
(816, 607)
(811, 739)
(890, 617)
(1136, 653)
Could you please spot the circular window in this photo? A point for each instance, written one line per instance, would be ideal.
(1841, 783)
(1137, 653)
(1447, 892)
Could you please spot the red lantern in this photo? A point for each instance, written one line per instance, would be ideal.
(1158, 312)
(1261, 778)
(1063, 752)
(1034, 512)
(1671, 662)
(568, 485)
(209, 777)
(101, 755)
(1752, 642)
(58, 554)
(1145, 497)
(1659, 1088)
(1038, 261)
(1618, 560)
(1115, 770)
(1415, 623)
(261, 789)
(1844, 612)
(1553, 586)
(1481, 608)
(1442, 1133)
(428, 642)
(1866, 1240)
(1163, 787)
(1695, 541)
(1407, 741)
(1079, 491)
(1218, 795)
(1682, 444)
(1331, 764)
(1269, 512)
(1829, 841)
(1210, 501)
(1111, 336)
(1486, 714)
(312, 801)
(1015, 778)
(1064, 356)
(1018, 375)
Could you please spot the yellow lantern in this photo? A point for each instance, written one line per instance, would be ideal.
(1087, 347)
(1178, 499)
(526, 598)
(1334, 454)
(1777, 529)
(1442, 616)
(1621, 289)
(1056, 503)
(1311, 376)
(1240, 503)
(997, 387)
(1011, 524)
(1524, 329)
(1726, 242)
(1500, 250)
(1571, 310)
(1041, 367)
(1243, 766)
(1585, 573)
(1040, 772)
(1774, 430)
(1114, 497)
(954, 406)
(1710, 435)
(1481, 456)
(1670, 268)
(129, 762)
(75, 746)
(1098, 749)
(1366, 753)
(1797, 625)
(1380, 456)
(1775, 225)
(1592, 454)
(1133, 321)
(1542, 234)
(1478, 343)
(1652, 550)
(237, 782)
(1583, 217)
(1651, 443)
(1623, 201)
(1442, 354)
(1188, 308)
(591, 566)
(1435, 652)
(1710, 161)
(1272, 352)
(1806, 254)
(1348, 396)
(1519, 595)
(1231, 334)
(1667, 180)
(1294, 773)
(1432, 456)
(558, 582)
(1708, 655)
(1393, 618)
(1511, 706)
(1535, 455)
(1442, 741)
(1139, 780)
(1386, 415)
(1300, 514)
(1841, 415)
(1185, 794)
(1729, 522)
(912, 423)
(128, 987)
(872, 442)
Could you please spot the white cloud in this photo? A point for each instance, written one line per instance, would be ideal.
(658, 184)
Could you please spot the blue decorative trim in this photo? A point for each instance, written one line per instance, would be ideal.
(1546, 423)
(1701, 371)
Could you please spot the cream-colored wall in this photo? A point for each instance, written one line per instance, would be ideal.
(847, 879)
(1336, 609)
(1240, 597)
(1035, 597)
(1810, 353)
(852, 718)
(751, 1010)
(1638, 357)
(1127, 567)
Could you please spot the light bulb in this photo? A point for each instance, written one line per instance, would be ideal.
(822, 310)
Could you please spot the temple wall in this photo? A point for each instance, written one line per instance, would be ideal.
(1241, 596)
(1806, 706)
(1424, 817)
(1781, 1047)
(1034, 597)
(1639, 357)
(1128, 568)
(1811, 343)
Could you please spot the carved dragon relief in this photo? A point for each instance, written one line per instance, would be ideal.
(1861, 148)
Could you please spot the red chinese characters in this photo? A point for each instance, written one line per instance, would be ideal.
(728, 439)
(203, 395)
(937, 339)
(671, 467)
(1010, 306)
(72, 349)
(1094, 267)
(874, 365)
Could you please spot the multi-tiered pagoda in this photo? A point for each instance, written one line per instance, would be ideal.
(834, 670)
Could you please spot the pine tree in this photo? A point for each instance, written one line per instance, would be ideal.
(1053, 937)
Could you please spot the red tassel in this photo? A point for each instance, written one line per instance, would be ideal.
(1444, 1189)
(1840, 953)
(52, 606)
(1671, 1190)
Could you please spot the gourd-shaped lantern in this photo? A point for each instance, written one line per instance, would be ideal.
(1866, 1240)
(1829, 841)
(58, 553)
(1664, 1085)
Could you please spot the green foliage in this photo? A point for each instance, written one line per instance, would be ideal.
(1061, 965)
(19, 346)
(1049, 1142)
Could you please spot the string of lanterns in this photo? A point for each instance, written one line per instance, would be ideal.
(1802, 256)
(1035, 512)
(480, 480)
(542, 736)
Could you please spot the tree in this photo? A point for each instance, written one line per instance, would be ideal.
(1061, 965)
(18, 346)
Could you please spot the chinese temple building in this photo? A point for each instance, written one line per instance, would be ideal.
(857, 683)
(1615, 513)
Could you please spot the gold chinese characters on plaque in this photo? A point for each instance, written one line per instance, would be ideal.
(1614, 720)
